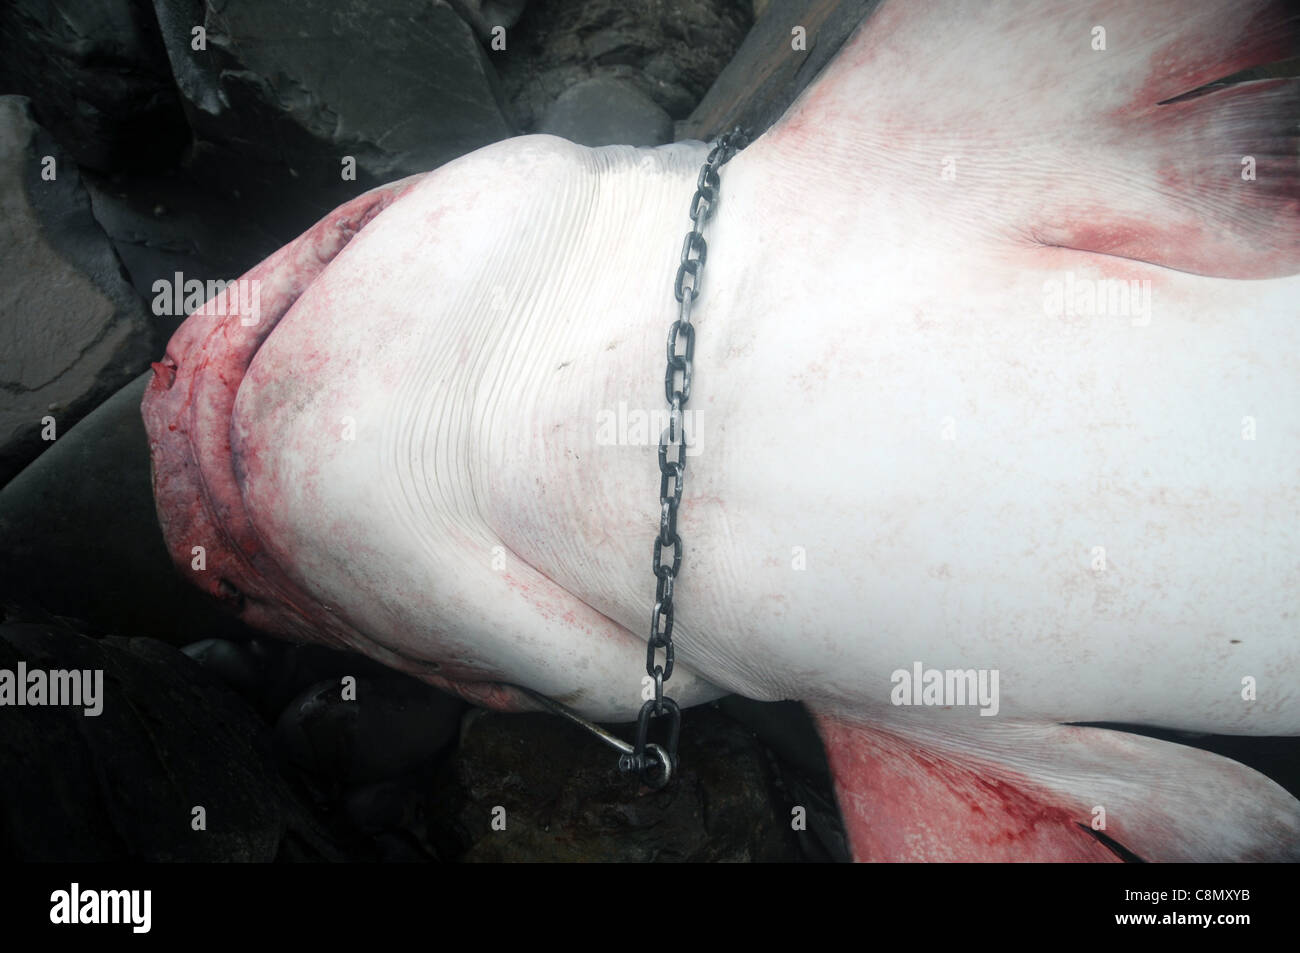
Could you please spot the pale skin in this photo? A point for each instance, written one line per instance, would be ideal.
(849, 426)
(906, 451)
(882, 389)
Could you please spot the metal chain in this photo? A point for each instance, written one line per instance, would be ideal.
(657, 763)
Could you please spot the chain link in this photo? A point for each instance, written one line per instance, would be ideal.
(657, 763)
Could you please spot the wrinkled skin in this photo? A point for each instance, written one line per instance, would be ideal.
(905, 451)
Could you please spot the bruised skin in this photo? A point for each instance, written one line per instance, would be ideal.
(412, 463)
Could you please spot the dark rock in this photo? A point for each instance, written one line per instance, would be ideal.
(565, 800)
(824, 840)
(386, 806)
(172, 222)
(398, 848)
(785, 727)
(270, 674)
(601, 112)
(72, 331)
(670, 50)
(394, 725)
(766, 74)
(81, 536)
(240, 665)
(803, 774)
(123, 785)
(284, 92)
(98, 79)
(486, 15)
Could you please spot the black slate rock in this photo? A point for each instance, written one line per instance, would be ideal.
(98, 78)
(394, 725)
(173, 221)
(271, 674)
(485, 16)
(72, 330)
(123, 785)
(284, 91)
(81, 537)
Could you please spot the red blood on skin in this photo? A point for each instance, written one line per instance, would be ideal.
(902, 801)
(187, 410)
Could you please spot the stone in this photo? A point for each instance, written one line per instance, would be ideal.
(803, 775)
(172, 221)
(602, 111)
(561, 797)
(271, 674)
(767, 74)
(123, 785)
(393, 726)
(282, 93)
(72, 330)
(81, 537)
(98, 78)
(670, 51)
(486, 15)
(383, 806)
(242, 666)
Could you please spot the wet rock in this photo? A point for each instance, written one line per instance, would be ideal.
(602, 111)
(281, 93)
(767, 74)
(391, 726)
(72, 331)
(98, 79)
(123, 785)
(81, 536)
(669, 50)
(562, 798)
